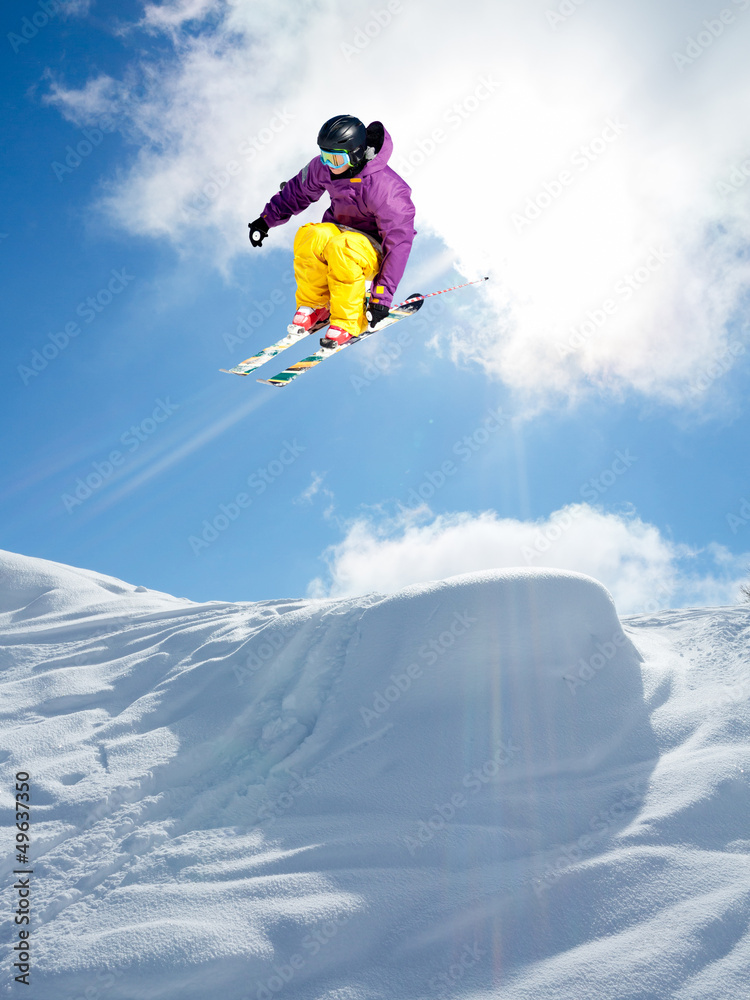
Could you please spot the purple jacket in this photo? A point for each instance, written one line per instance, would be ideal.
(376, 202)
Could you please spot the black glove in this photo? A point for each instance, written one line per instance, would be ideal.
(376, 312)
(258, 231)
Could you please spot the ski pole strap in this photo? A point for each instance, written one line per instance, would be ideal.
(417, 298)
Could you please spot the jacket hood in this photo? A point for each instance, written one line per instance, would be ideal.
(380, 141)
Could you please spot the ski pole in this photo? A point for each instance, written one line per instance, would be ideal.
(417, 298)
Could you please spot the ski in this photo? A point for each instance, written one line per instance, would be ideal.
(250, 364)
(404, 309)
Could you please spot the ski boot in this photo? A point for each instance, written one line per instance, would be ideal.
(308, 319)
(335, 337)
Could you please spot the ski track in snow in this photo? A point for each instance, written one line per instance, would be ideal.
(480, 787)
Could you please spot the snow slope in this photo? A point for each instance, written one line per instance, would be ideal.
(482, 787)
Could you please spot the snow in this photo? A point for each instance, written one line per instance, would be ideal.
(484, 786)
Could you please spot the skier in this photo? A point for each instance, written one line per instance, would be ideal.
(365, 235)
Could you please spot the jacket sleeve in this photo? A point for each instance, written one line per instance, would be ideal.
(295, 195)
(394, 211)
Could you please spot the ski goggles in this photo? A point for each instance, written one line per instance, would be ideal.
(335, 158)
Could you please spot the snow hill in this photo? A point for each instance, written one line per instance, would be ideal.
(487, 786)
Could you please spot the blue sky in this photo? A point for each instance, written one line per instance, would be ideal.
(585, 409)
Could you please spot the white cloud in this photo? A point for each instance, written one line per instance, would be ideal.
(316, 486)
(87, 104)
(579, 164)
(76, 8)
(643, 570)
(174, 15)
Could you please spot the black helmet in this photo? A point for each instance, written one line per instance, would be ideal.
(344, 132)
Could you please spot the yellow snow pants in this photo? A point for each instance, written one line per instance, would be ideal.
(331, 266)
